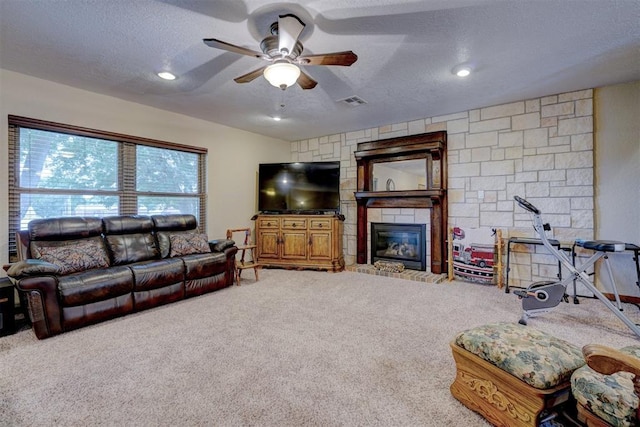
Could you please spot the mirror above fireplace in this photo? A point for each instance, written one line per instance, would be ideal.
(399, 175)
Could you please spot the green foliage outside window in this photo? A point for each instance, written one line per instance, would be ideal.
(70, 175)
(55, 161)
(58, 170)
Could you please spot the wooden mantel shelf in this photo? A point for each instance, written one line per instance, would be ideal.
(401, 194)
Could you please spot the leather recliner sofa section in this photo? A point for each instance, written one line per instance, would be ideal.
(79, 271)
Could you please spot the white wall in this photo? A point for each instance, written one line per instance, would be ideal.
(617, 175)
(233, 156)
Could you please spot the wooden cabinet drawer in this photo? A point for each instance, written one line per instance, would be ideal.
(320, 224)
(294, 223)
(265, 223)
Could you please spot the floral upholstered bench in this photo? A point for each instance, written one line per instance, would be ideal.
(604, 400)
(513, 375)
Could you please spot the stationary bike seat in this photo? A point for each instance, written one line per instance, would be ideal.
(602, 245)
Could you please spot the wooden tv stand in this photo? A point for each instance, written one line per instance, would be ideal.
(300, 241)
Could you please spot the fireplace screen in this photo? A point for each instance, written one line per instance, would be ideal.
(403, 243)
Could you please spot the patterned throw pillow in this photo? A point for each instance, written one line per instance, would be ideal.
(189, 243)
(74, 256)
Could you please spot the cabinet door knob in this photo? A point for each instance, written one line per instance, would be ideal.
(295, 225)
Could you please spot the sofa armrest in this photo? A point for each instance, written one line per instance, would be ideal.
(230, 252)
(219, 245)
(31, 267)
(41, 294)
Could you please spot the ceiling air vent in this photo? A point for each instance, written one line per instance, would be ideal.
(353, 101)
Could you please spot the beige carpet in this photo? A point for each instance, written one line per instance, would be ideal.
(297, 348)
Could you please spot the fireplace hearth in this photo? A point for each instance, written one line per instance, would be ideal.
(405, 243)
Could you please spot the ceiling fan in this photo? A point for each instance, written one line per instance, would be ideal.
(282, 48)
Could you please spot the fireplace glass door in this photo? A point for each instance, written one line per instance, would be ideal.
(403, 243)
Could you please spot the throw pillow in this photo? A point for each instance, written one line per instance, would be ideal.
(188, 243)
(74, 255)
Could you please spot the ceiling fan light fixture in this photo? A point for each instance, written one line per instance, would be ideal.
(282, 74)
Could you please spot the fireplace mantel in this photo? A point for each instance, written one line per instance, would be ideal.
(432, 148)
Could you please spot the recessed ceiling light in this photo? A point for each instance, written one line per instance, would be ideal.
(166, 75)
(461, 70)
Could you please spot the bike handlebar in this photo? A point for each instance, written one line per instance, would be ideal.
(526, 205)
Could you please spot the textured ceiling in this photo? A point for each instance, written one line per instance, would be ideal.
(519, 49)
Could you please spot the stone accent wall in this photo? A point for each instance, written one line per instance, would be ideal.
(540, 149)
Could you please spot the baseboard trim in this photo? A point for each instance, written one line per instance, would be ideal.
(624, 298)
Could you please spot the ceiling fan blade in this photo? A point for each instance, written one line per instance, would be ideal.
(345, 58)
(305, 81)
(219, 44)
(289, 29)
(249, 77)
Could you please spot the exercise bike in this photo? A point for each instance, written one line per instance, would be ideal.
(541, 297)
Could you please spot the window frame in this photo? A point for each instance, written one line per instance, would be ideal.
(126, 192)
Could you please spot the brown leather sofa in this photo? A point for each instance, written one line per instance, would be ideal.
(79, 271)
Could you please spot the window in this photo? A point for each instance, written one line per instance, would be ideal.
(60, 170)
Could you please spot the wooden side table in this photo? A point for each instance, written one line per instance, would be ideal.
(7, 307)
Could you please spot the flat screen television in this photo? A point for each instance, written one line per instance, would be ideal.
(305, 187)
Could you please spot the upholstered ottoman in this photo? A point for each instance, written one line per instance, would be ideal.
(603, 399)
(513, 375)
